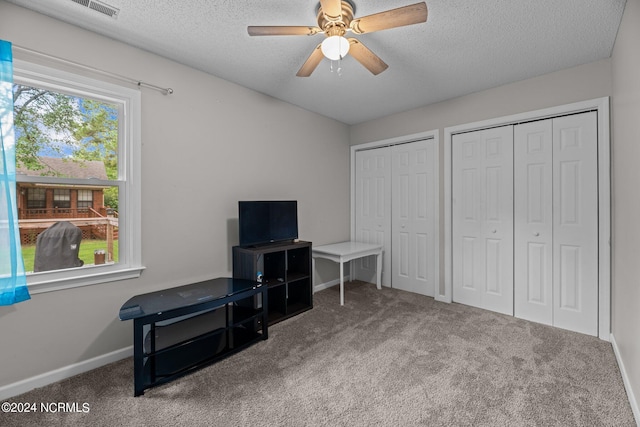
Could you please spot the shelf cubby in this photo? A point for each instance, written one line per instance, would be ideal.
(285, 269)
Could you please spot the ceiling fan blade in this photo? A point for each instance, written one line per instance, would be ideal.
(311, 63)
(407, 15)
(332, 9)
(363, 55)
(282, 30)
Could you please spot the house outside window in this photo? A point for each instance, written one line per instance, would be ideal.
(63, 200)
(77, 161)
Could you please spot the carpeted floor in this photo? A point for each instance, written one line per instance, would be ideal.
(385, 358)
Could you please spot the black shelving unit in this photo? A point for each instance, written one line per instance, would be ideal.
(286, 270)
(179, 330)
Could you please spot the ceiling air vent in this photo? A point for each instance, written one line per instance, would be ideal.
(99, 6)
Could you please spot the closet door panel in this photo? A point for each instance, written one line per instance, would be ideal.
(468, 256)
(373, 211)
(575, 223)
(413, 215)
(533, 227)
(482, 212)
(498, 232)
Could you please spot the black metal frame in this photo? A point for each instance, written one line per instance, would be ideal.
(149, 377)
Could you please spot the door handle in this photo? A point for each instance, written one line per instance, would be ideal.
(535, 233)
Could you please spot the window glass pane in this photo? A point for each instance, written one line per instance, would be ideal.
(98, 229)
(65, 136)
(85, 199)
(36, 198)
(64, 141)
(61, 198)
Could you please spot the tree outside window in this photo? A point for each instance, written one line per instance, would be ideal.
(66, 154)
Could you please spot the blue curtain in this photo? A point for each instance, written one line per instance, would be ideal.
(13, 280)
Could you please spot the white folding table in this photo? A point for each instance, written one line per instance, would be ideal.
(348, 251)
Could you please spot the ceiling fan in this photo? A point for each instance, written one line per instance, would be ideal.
(335, 19)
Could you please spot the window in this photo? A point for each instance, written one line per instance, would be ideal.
(85, 199)
(61, 198)
(77, 157)
(36, 198)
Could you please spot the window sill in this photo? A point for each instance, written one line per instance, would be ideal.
(59, 280)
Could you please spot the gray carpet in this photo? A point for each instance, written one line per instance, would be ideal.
(386, 358)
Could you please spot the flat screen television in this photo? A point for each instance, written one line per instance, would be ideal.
(263, 222)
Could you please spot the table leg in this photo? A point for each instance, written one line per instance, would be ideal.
(341, 283)
(313, 272)
(379, 270)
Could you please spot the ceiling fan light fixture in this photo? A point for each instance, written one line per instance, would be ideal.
(335, 18)
(335, 47)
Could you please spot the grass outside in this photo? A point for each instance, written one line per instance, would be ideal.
(86, 252)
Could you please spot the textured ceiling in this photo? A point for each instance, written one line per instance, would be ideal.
(464, 47)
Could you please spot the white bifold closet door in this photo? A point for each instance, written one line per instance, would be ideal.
(373, 211)
(556, 222)
(482, 210)
(413, 217)
(525, 220)
(396, 206)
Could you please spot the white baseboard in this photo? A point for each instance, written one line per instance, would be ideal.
(60, 374)
(347, 278)
(325, 285)
(635, 407)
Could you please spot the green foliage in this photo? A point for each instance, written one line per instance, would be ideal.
(111, 197)
(97, 133)
(44, 120)
(59, 124)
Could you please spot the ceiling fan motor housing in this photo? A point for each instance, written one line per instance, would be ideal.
(336, 25)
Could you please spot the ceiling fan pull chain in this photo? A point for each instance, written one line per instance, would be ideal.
(341, 55)
(337, 68)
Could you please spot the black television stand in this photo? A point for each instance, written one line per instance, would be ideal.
(179, 330)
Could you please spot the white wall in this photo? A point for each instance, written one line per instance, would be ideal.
(204, 148)
(587, 81)
(626, 200)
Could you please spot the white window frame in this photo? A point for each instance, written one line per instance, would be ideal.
(129, 263)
